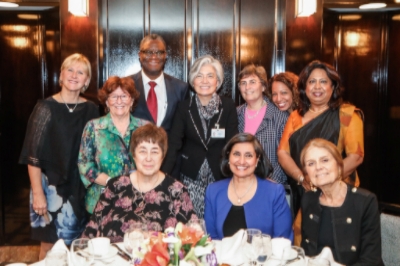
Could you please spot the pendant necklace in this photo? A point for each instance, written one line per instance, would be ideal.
(247, 191)
(256, 114)
(71, 110)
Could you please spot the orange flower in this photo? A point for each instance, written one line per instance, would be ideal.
(189, 235)
(158, 256)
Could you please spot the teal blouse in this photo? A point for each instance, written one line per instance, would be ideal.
(102, 151)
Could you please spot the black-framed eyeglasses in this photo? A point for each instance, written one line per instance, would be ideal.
(149, 53)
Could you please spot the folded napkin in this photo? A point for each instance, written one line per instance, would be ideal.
(228, 250)
(326, 253)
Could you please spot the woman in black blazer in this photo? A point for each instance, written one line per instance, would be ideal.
(202, 125)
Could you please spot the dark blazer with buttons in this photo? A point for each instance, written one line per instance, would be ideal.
(185, 138)
(356, 227)
(177, 91)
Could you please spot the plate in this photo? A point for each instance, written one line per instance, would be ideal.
(291, 256)
(112, 251)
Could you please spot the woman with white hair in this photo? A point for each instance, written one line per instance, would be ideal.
(201, 127)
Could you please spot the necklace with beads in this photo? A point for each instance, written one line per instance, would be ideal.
(239, 199)
(258, 111)
(71, 110)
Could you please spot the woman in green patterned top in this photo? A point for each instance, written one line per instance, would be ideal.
(104, 151)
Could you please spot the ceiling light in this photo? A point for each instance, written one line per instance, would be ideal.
(28, 16)
(372, 6)
(351, 17)
(8, 4)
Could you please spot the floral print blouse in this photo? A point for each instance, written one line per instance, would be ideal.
(104, 150)
(121, 205)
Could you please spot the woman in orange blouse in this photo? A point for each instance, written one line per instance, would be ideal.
(321, 114)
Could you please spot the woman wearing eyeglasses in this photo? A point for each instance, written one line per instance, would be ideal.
(104, 151)
(260, 117)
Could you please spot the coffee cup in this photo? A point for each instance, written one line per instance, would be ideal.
(100, 245)
(278, 245)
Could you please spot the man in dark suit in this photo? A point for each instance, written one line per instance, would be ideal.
(159, 92)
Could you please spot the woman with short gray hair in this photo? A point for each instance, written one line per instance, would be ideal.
(201, 127)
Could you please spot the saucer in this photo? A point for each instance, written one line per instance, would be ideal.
(112, 251)
(291, 256)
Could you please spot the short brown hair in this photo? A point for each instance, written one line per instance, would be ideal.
(259, 71)
(126, 84)
(290, 80)
(149, 133)
(264, 167)
(336, 99)
(324, 144)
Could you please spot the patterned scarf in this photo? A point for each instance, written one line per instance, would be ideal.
(208, 111)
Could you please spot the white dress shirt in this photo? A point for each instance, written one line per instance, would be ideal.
(161, 93)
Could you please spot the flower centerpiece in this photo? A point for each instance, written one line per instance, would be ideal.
(182, 245)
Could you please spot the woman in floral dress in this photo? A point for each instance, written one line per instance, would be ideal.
(147, 195)
(51, 149)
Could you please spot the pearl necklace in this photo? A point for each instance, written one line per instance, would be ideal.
(247, 191)
(71, 110)
(258, 111)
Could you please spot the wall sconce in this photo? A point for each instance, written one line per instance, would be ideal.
(305, 8)
(79, 8)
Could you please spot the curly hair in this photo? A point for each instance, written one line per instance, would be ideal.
(290, 80)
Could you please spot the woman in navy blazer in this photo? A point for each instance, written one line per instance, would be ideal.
(248, 199)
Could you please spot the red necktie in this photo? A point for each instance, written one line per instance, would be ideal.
(152, 101)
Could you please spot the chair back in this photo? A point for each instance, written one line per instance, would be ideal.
(390, 233)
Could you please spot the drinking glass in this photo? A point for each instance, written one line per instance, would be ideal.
(56, 257)
(318, 262)
(265, 250)
(252, 246)
(135, 236)
(293, 256)
(81, 252)
(199, 225)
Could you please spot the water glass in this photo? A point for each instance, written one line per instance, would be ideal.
(252, 246)
(135, 236)
(56, 257)
(265, 250)
(199, 225)
(318, 262)
(82, 253)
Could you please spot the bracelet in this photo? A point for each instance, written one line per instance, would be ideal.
(301, 179)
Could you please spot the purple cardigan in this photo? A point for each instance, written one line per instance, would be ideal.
(268, 210)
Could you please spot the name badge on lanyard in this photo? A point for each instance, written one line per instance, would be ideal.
(218, 133)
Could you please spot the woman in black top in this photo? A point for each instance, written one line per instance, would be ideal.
(202, 126)
(51, 150)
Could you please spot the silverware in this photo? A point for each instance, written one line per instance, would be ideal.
(123, 252)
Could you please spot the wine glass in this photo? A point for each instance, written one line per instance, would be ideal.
(56, 257)
(265, 250)
(318, 262)
(293, 256)
(81, 252)
(252, 246)
(199, 225)
(135, 236)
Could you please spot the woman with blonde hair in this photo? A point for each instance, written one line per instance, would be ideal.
(51, 149)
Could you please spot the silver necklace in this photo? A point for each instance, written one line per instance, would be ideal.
(71, 110)
(140, 190)
(247, 191)
(258, 111)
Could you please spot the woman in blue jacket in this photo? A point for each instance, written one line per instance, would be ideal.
(248, 199)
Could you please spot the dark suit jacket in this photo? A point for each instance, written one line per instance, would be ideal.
(355, 224)
(184, 138)
(176, 92)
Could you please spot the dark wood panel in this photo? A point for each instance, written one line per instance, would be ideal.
(391, 174)
(80, 35)
(303, 37)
